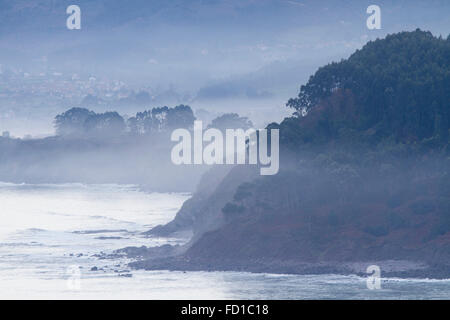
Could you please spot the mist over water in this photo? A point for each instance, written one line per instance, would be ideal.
(47, 229)
(90, 193)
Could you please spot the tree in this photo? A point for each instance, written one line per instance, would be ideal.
(72, 121)
(161, 119)
(231, 121)
(105, 124)
(180, 117)
(80, 121)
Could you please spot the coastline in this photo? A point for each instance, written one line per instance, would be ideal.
(169, 258)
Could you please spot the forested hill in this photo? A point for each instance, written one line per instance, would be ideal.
(396, 88)
(364, 174)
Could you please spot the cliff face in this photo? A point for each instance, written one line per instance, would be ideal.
(321, 219)
(203, 212)
(353, 185)
(313, 216)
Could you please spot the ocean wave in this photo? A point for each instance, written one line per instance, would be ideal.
(21, 244)
(101, 231)
(70, 185)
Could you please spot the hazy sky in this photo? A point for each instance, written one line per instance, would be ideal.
(191, 41)
(210, 49)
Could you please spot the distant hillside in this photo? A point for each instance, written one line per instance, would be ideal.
(365, 175)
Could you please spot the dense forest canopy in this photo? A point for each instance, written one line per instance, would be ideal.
(400, 86)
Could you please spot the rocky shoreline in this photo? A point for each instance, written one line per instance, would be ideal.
(288, 267)
(171, 258)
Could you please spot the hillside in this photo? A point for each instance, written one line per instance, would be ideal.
(364, 175)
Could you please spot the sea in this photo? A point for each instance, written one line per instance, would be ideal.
(52, 238)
